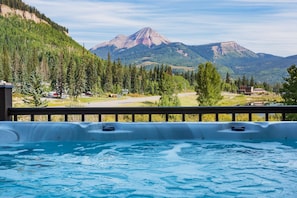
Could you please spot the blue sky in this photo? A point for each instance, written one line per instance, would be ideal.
(268, 26)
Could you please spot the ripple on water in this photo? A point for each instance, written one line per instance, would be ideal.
(149, 169)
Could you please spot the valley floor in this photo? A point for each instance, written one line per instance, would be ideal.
(132, 100)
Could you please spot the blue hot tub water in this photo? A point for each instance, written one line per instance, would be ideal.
(242, 162)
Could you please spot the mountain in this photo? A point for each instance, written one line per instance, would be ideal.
(18, 8)
(146, 36)
(31, 44)
(148, 48)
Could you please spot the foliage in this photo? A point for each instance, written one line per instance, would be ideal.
(289, 91)
(18, 4)
(34, 91)
(168, 89)
(169, 100)
(208, 86)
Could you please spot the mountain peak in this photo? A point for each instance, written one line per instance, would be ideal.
(146, 36)
(224, 48)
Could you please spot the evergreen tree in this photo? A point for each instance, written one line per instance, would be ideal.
(96, 78)
(134, 80)
(34, 91)
(238, 82)
(80, 79)
(208, 85)
(7, 73)
(289, 90)
(143, 80)
(228, 79)
(252, 81)
(61, 76)
(33, 62)
(118, 76)
(108, 75)
(92, 80)
(15, 66)
(192, 78)
(244, 81)
(127, 78)
(70, 77)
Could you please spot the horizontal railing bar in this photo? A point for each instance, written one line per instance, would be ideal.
(152, 110)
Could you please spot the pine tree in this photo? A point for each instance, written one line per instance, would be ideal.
(228, 79)
(7, 72)
(70, 76)
(135, 85)
(34, 91)
(108, 75)
(118, 76)
(61, 76)
(252, 81)
(127, 78)
(80, 79)
(244, 81)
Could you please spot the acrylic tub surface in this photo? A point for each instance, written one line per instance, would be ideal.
(12, 132)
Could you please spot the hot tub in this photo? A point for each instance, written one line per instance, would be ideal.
(49, 159)
(24, 132)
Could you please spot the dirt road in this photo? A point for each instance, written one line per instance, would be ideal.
(121, 102)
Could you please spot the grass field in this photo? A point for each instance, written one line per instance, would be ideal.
(229, 99)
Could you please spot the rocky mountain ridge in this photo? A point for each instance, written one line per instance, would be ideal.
(146, 36)
(143, 48)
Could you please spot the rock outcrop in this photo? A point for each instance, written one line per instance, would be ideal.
(7, 11)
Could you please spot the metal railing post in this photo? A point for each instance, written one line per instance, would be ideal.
(5, 100)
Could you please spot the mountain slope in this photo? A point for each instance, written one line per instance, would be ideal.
(228, 56)
(30, 46)
(20, 9)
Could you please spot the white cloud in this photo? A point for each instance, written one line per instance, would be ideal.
(260, 25)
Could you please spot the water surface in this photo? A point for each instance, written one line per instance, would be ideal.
(149, 169)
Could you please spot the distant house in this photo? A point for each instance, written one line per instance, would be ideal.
(246, 90)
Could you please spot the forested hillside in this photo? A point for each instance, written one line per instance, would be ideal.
(32, 54)
(27, 47)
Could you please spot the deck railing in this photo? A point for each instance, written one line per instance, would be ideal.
(7, 112)
(166, 112)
